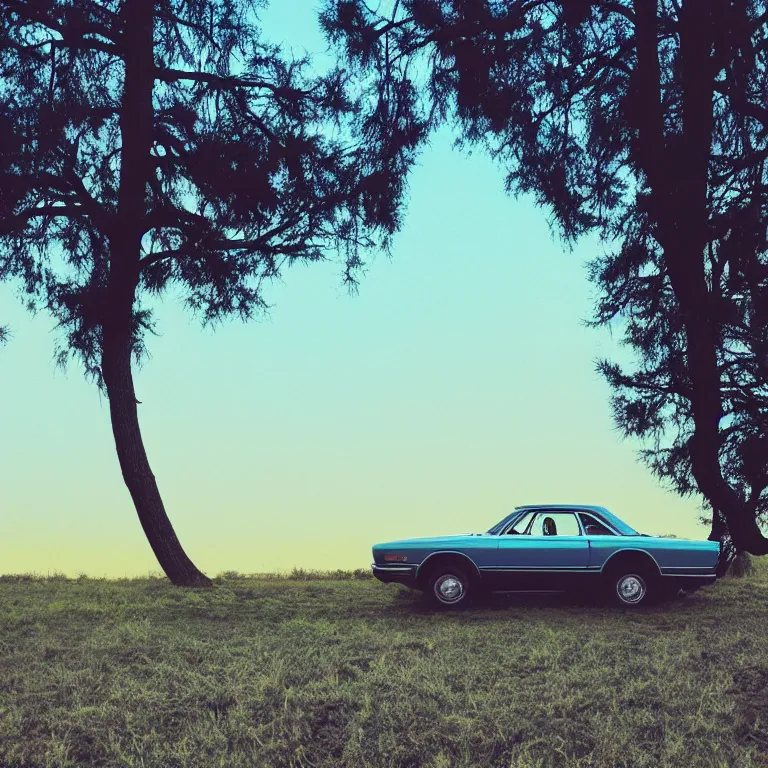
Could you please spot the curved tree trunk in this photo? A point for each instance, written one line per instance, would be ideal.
(138, 476)
(136, 127)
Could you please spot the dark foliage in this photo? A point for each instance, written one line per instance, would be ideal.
(156, 144)
(254, 164)
(646, 123)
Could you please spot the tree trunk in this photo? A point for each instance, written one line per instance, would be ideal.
(719, 528)
(699, 22)
(136, 127)
(719, 532)
(678, 181)
(138, 476)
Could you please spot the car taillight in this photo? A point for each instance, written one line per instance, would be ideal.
(395, 558)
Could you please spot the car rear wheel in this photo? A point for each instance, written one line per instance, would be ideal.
(631, 586)
(449, 588)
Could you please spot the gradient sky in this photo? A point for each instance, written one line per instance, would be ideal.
(458, 383)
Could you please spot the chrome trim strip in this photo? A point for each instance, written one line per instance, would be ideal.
(588, 569)
(521, 569)
(393, 568)
(691, 575)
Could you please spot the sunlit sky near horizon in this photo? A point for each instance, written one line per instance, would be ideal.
(458, 383)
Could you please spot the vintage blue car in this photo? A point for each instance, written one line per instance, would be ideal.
(549, 547)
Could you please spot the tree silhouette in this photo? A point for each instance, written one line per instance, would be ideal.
(654, 401)
(150, 144)
(646, 122)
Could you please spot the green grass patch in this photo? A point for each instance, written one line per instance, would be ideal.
(313, 669)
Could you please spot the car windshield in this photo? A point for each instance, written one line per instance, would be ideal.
(497, 528)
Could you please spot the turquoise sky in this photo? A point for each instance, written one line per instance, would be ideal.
(458, 383)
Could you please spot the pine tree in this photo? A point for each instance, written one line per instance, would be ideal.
(147, 144)
(644, 121)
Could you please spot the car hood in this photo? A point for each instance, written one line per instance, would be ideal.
(425, 539)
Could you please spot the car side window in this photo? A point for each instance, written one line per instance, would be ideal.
(593, 527)
(555, 524)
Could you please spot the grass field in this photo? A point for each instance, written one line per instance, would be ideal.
(349, 672)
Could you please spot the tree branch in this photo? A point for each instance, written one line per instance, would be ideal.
(225, 83)
(11, 223)
(615, 7)
(742, 105)
(73, 34)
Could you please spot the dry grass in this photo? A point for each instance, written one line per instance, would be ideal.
(305, 670)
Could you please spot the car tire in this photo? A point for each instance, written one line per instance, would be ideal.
(449, 588)
(631, 586)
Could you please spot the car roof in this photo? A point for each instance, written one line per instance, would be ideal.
(619, 524)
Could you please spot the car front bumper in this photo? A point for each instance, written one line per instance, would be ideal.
(400, 574)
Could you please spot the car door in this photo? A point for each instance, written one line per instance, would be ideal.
(542, 555)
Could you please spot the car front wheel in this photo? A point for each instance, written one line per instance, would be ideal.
(449, 588)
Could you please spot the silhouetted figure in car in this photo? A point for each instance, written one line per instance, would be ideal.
(548, 527)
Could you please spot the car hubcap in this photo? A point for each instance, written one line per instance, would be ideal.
(631, 589)
(449, 589)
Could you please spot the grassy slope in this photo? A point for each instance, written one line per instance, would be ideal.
(263, 672)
